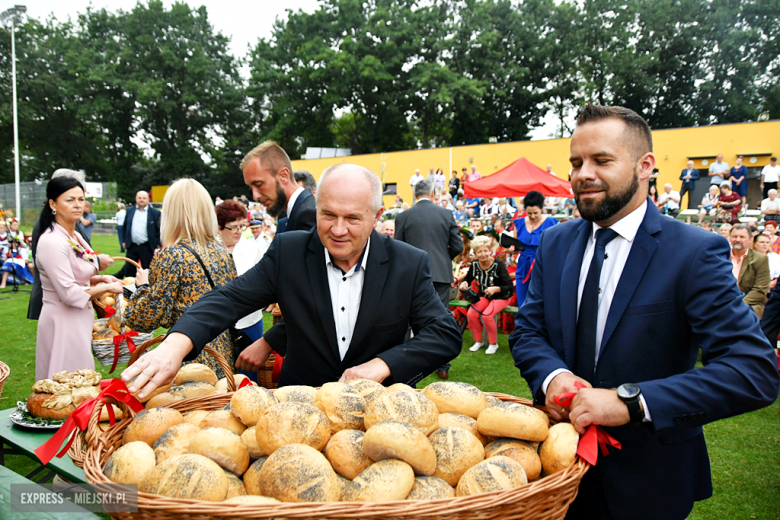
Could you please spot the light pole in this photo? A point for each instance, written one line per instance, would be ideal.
(11, 17)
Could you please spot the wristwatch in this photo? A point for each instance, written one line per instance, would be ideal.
(629, 393)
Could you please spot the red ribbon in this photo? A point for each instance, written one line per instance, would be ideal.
(277, 369)
(110, 311)
(594, 436)
(529, 271)
(128, 336)
(245, 382)
(113, 388)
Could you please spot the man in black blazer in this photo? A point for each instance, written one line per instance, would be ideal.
(348, 293)
(141, 233)
(688, 176)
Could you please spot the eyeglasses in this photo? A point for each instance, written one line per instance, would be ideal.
(242, 227)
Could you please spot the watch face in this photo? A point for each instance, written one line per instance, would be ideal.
(628, 391)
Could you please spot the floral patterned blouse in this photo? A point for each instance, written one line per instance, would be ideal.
(176, 281)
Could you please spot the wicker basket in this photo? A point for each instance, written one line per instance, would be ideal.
(545, 499)
(104, 349)
(265, 373)
(4, 372)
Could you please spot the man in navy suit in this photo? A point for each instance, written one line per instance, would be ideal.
(141, 233)
(688, 176)
(622, 301)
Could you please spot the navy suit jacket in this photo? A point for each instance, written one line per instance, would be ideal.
(152, 226)
(694, 177)
(676, 295)
(293, 273)
(303, 216)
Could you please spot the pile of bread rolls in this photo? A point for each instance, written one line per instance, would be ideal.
(356, 441)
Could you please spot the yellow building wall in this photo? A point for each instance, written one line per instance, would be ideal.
(672, 148)
(158, 192)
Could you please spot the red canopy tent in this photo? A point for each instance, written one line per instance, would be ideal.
(516, 180)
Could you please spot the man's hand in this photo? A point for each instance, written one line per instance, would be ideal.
(561, 384)
(374, 370)
(598, 406)
(105, 261)
(159, 366)
(124, 246)
(253, 357)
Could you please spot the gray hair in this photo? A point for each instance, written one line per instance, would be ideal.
(423, 188)
(306, 178)
(772, 191)
(371, 177)
(65, 172)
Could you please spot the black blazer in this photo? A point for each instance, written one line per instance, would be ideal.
(152, 226)
(397, 292)
(431, 228)
(303, 216)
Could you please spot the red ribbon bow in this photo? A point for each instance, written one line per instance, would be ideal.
(110, 311)
(594, 436)
(114, 388)
(245, 382)
(128, 336)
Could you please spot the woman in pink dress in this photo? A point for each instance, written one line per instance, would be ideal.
(67, 267)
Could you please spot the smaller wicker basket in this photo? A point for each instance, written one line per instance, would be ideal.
(4, 372)
(103, 349)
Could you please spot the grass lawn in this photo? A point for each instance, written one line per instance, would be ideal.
(744, 451)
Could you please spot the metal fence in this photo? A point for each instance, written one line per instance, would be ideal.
(32, 197)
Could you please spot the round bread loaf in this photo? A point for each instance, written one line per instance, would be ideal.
(175, 441)
(249, 438)
(343, 483)
(342, 405)
(118, 413)
(159, 390)
(492, 400)
(104, 334)
(250, 499)
(235, 486)
(187, 476)
(223, 419)
(448, 420)
(195, 372)
(456, 451)
(195, 417)
(299, 473)
(190, 389)
(493, 474)
(388, 479)
(430, 488)
(345, 453)
(222, 385)
(412, 408)
(368, 390)
(397, 440)
(250, 402)
(296, 393)
(130, 463)
(223, 447)
(400, 387)
(292, 423)
(514, 420)
(163, 399)
(559, 450)
(452, 397)
(252, 477)
(520, 451)
(99, 326)
(36, 408)
(149, 425)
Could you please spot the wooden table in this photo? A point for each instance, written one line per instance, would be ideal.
(8, 477)
(24, 441)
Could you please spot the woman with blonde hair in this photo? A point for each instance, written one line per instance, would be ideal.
(190, 264)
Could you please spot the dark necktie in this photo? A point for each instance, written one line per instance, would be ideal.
(585, 364)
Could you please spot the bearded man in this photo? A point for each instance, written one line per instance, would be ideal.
(622, 301)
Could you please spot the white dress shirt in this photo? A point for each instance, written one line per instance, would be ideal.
(771, 173)
(292, 199)
(616, 255)
(246, 253)
(120, 217)
(139, 234)
(346, 291)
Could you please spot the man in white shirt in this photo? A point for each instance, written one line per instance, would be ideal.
(769, 176)
(770, 206)
(120, 224)
(474, 175)
(718, 170)
(549, 170)
(414, 180)
(669, 201)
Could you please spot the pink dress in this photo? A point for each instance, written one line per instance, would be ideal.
(65, 325)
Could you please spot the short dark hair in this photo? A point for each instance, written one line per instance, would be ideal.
(640, 137)
(302, 176)
(740, 226)
(533, 198)
(56, 187)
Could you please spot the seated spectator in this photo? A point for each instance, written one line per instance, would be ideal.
(398, 201)
(729, 204)
(489, 277)
(706, 225)
(725, 230)
(3, 241)
(484, 210)
(506, 209)
(495, 207)
(707, 206)
(653, 194)
(568, 206)
(472, 207)
(770, 207)
(462, 262)
(770, 228)
(404, 206)
(669, 201)
(476, 225)
(460, 213)
(750, 268)
(761, 243)
(552, 205)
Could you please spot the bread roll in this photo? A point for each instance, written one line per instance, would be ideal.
(128, 280)
(222, 383)
(430, 488)
(520, 451)
(250, 402)
(190, 389)
(98, 326)
(249, 438)
(104, 334)
(299, 473)
(196, 417)
(252, 477)
(368, 390)
(235, 486)
(343, 482)
(35, 407)
(223, 419)
(513, 420)
(107, 301)
(187, 476)
(115, 322)
(250, 499)
(130, 463)
(493, 474)
(397, 440)
(195, 372)
(345, 453)
(292, 423)
(163, 399)
(459, 420)
(159, 390)
(223, 447)
(399, 387)
(175, 441)
(456, 451)
(452, 397)
(296, 393)
(385, 480)
(492, 400)
(149, 425)
(342, 405)
(412, 408)
(559, 450)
